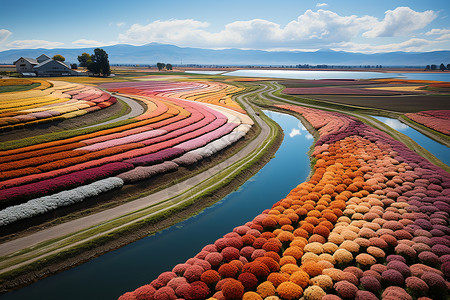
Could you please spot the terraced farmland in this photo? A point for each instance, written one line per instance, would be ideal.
(172, 132)
(51, 101)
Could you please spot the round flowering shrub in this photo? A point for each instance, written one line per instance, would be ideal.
(289, 290)
(395, 293)
(251, 296)
(248, 280)
(164, 293)
(270, 263)
(228, 270)
(314, 292)
(144, 292)
(434, 281)
(177, 281)
(345, 289)
(214, 258)
(342, 256)
(233, 289)
(324, 281)
(365, 260)
(277, 278)
(193, 273)
(365, 295)
(300, 278)
(210, 277)
(201, 290)
(185, 291)
(257, 268)
(417, 285)
(401, 267)
(266, 289)
(392, 277)
(370, 283)
(230, 253)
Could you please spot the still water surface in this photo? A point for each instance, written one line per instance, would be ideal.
(439, 150)
(125, 269)
(295, 74)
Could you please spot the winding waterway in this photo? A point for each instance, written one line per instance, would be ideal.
(125, 269)
(439, 150)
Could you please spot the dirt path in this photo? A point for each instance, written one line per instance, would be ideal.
(52, 240)
(136, 110)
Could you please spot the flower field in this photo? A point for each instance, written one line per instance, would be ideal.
(172, 132)
(51, 101)
(370, 223)
(438, 120)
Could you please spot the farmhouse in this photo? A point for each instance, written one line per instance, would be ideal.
(43, 66)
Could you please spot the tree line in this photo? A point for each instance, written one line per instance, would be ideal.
(96, 63)
(442, 67)
(161, 66)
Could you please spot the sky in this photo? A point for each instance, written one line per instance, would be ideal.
(294, 25)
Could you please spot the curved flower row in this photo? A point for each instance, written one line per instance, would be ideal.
(59, 102)
(370, 223)
(170, 133)
(208, 92)
(438, 120)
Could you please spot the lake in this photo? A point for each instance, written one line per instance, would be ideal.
(127, 268)
(296, 74)
(439, 150)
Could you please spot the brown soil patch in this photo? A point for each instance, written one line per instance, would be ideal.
(403, 104)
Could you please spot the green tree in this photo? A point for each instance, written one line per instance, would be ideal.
(448, 66)
(427, 67)
(99, 63)
(442, 67)
(169, 67)
(433, 67)
(59, 57)
(83, 59)
(160, 66)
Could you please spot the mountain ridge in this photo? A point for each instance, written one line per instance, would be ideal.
(155, 52)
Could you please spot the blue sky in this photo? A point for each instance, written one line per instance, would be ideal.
(348, 25)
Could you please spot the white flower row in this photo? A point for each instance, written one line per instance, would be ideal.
(45, 204)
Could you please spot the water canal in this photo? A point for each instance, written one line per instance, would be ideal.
(439, 150)
(125, 269)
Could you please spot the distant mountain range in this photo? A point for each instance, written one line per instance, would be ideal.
(153, 53)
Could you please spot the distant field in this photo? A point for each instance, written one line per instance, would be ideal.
(404, 104)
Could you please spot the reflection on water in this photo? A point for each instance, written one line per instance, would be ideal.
(396, 124)
(442, 152)
(295, 74)
(294, 132)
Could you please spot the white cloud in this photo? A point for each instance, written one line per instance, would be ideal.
(411, 45)
(179, 32)
(321, 4)
(317, 28)
(294, 132)
(32, 44)
(87, 43)
(444, 34)
(120, 24)
(400, 21)
(437, 31)
(326, 26)
(4, 34)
